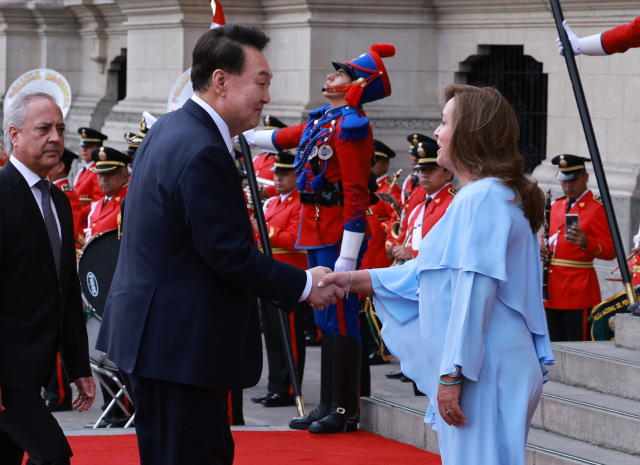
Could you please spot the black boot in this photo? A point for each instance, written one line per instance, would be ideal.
(326, 387)
(343, 415)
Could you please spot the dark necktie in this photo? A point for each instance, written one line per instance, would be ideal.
(428, 201)
(569, 202)
(50, 223)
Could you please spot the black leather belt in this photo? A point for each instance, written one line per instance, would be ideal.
(328, 199)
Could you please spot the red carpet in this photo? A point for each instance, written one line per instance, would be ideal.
(268, 448)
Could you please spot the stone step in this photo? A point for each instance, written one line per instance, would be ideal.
(599, 366)
(600, 419)
(627, 331)
(402, 419)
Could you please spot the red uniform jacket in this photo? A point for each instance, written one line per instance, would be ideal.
(4, 162)
(87, 184)
(382, 209)
(105, 217)
(418, 195)
(350, 163)
(375, 256)
(622, 38)
(573, 284)
(283, 223)
(436, 209)
(634, 267)
(262, 165)
(76, 208)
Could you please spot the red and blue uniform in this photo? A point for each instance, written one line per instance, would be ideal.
(333, 163)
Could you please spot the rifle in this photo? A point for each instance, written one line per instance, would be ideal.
(266, 247)
(587, 125)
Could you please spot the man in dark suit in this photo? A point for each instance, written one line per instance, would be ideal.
(40, 303)
(181, 321)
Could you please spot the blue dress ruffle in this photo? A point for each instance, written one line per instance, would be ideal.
(473, 298)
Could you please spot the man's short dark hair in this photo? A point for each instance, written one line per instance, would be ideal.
(222, 48)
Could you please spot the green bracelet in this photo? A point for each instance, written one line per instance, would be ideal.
(449, 384)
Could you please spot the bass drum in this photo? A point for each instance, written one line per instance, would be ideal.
(96, 268)
(603, 321)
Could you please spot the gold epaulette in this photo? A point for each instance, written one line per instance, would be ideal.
(369, 212)
(598, 199)
(453, 191)
(388, 181)
(66, 188)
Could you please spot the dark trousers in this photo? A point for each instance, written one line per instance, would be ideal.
(58, 390)
(26, 425)
(179, 424)
(279, 379)
(567, 325)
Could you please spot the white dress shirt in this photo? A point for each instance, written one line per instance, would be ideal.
(33, 179)
(226, 136)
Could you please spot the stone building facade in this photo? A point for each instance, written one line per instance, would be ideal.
(122, 57)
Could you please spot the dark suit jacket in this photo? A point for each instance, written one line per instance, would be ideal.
(182, 306)
(38, 315)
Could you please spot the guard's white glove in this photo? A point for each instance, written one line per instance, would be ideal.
(573, 39)
(250, 136)
(345, 264)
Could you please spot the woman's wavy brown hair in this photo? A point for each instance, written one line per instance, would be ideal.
(484, 143)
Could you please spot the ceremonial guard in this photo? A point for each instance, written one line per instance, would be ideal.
(572, 281)
(60, 177)
(412, 184)
(333, 163)
(282, 214)
(386, 185)
(113, 176)
(135, 140)
(86, 182)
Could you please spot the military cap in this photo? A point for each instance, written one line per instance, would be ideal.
(108, 159)
(146, 122)
(67, 158)
(569, 166)
(380, 149)
(423, 147)
(90, 137)
(271, 122)
(284, 161)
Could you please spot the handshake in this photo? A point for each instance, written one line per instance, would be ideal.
(328, 287)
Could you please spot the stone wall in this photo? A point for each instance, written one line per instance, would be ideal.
(87, 40)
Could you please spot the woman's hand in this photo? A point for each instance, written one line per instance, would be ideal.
(448, 402)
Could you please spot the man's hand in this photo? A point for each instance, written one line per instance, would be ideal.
(573, 40)
(322, 297)
(86, 393)
(1, 407)
(636, 250)
(578, 237)
(402, 253)
(545, 253)
(390, 252)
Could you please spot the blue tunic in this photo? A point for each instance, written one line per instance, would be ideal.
(473, 298)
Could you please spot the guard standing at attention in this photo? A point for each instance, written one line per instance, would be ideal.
(59, 176)
(333, 163)
(381, 163)
(573, 284)
(282, 214)
(86, 183)
(263, 163)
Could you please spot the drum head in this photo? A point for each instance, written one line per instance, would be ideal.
(96, 267)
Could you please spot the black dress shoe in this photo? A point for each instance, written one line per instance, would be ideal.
(311, 340)
(279, 400)
(404, 379)
(376, 359)
(303, 423)
(56, 407)
(334, 422)
(394, 375)
(259, 399)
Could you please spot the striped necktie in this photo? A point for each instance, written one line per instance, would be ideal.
(50, 223)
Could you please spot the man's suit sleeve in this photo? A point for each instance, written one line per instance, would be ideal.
(74, 344)
(207, 198)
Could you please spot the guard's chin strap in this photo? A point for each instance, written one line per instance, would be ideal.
(342, 87)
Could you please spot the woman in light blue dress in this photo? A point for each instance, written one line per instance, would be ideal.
(465, 318)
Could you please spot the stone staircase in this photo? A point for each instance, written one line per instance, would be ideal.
(589, 412)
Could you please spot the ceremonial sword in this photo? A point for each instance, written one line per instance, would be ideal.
(266, 247)
(587, 125)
